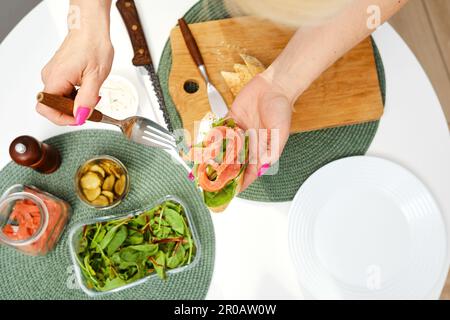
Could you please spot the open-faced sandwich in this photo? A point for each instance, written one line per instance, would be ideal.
(220, 160)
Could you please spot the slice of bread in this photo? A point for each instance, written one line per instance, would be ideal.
(254, 65)
(243, 74)
(233, 82)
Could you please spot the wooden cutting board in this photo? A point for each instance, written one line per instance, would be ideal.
(347, 93)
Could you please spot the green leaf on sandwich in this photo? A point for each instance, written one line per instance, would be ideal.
(219, 198)
(230, 123)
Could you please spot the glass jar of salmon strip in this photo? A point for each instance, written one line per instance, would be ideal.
(32, 220)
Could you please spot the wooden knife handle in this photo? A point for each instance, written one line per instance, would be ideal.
(190, 42)
(130, 16)
(64, 105)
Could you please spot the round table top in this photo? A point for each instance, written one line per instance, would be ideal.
(413, 132)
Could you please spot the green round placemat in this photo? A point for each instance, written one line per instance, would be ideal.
(304, 152)
(153, 174)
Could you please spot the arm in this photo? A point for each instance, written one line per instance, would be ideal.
(267, 101)
(313, 49)
(84, 59)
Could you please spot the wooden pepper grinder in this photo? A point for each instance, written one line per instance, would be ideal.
(29, 152)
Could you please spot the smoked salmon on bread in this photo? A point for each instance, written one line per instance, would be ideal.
(220, 161)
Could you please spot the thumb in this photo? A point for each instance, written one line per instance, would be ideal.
(86, 99)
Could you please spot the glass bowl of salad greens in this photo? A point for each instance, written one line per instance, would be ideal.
(118, 252)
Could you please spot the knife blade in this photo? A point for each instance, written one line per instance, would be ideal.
(218, 105)
(142, 60)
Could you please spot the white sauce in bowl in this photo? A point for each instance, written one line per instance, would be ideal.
(119, 98)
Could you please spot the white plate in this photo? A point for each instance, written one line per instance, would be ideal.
(366, 228)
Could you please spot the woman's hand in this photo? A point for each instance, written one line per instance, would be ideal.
(84, 59)
(266, 102)
(263, 109)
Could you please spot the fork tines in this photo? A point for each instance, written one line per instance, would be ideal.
(161, 138)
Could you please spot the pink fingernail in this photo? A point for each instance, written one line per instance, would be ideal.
(191, 176)
(263, 169)
(81, 115)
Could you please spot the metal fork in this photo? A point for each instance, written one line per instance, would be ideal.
(138, 129)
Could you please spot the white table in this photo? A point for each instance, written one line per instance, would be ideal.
(413, 132)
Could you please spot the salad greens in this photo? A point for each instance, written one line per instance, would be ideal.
(115, 253)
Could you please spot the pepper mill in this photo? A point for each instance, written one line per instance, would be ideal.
(29, 152)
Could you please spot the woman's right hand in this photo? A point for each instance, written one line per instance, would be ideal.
(84, 59)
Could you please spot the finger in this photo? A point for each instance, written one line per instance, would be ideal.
(55, 85)
(250, 175)
(259, 161)
(54, 116)
(87, 98)
(266, 145)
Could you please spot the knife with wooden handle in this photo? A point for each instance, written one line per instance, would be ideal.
(142, 59)
(216, 102)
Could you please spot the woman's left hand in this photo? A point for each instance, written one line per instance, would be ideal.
(264, 110)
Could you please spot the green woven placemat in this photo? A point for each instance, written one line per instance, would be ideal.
(304, 152)
(153, 175)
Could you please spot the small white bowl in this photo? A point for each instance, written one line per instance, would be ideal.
(120, 98)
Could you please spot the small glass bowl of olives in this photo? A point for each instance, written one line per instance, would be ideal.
(102, 182)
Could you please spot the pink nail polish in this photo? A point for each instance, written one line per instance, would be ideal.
(81, 115)
(263, 169)
(191, 176)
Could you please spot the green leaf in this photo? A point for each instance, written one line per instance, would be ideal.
(115, 258)
(173, 262)
(130, 255)
(117, 241)
(83, 244)
(113, 284)
(174, 206)
(110, 235)
(160, 264)
(135, 237)
(224, 196)
(140, 220)
(229, 122)
(168, 247)
(98, 238)
(163, 232)
(88, 266)
(174, 219)
(150, 213)
(149, 249)
(176, 258)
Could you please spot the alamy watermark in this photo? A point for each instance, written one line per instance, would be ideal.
(74, 17)
(374, 19)
(222, 146)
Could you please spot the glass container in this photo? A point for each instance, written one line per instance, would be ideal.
(32, 220)
(77, 231)
(103, 175)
